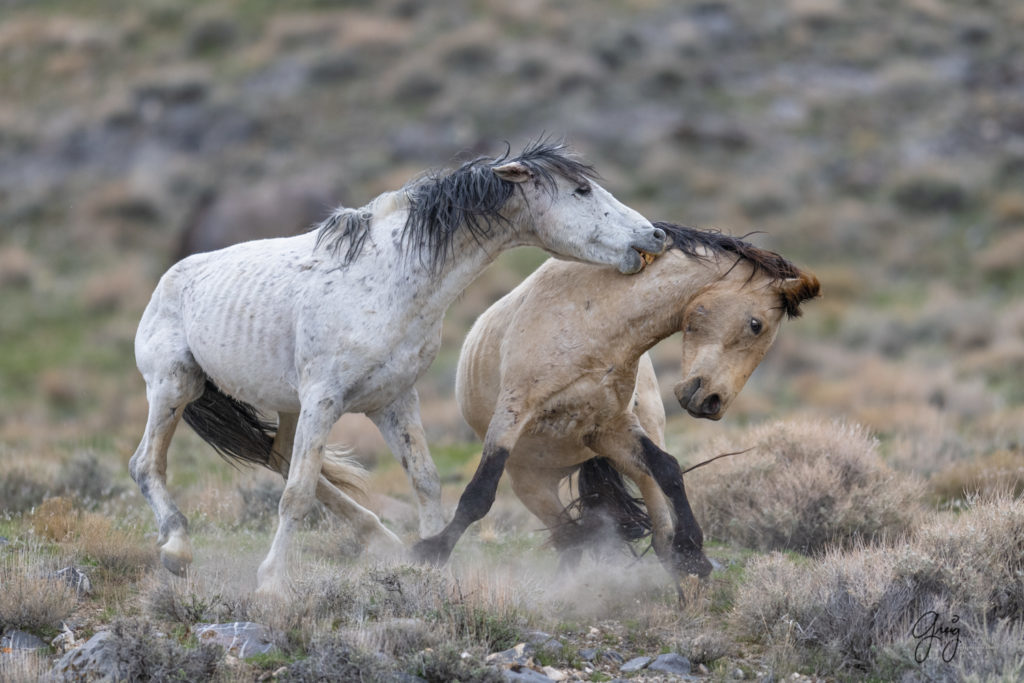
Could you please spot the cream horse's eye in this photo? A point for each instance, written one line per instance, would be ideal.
(755, 326)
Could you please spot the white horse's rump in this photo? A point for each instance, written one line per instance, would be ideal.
(314, 326)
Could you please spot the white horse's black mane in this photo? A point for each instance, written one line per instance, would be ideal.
(439, 205)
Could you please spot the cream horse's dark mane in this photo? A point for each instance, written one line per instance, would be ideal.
(764, 262)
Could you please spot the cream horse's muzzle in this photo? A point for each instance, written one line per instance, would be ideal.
(695, 399)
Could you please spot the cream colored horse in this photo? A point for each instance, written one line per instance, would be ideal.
(556, 373)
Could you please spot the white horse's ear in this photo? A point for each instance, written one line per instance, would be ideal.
(514, 172)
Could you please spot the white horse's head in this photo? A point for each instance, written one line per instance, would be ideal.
(574, 218)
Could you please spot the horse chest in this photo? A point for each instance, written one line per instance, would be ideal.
(579, 409)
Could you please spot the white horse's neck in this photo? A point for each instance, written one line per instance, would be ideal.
(429, 290)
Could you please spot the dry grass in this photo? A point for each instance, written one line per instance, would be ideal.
(93, 538)
(1002, 470)
(31, 597)
(805, 484)
(859, 606)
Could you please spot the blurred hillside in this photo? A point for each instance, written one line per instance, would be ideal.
(879, 144)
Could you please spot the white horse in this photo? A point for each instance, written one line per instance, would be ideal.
(555, 379)
(346, 320)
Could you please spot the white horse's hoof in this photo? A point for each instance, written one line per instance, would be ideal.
(271, 592)
(176, 555)
(431, 524)
(386, 546)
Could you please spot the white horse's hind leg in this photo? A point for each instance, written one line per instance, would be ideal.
(402, 430)
(168, 394)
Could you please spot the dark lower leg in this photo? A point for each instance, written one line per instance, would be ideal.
(688, 542)
(474, 503)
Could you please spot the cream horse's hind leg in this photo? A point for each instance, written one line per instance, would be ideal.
(369, 530)
(168, 392)
(537, 489)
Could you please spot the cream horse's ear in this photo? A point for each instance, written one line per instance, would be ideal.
(796, 290)
(514, 172)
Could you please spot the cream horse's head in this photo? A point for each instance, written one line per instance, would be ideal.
(727, 330)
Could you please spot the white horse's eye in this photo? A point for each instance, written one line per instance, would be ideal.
(755, 326)
(582, 191)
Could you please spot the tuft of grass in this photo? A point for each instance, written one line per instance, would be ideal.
(20, 492)
(446, 663)
(86, 478)
(31, 596)
(189, 601)
(855, 609)
(804, 485)
(999, 471)
(93, 538)
(143, 654)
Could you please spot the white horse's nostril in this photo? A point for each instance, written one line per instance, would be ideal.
(659, 234)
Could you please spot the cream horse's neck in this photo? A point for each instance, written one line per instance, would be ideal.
(655, 301)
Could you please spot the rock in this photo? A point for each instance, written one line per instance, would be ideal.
(95, 660)
(588, 653)
(554, 674)
(241, 638)
(737, 674)
(671, 663)
(13, 639)
(612, 657)
(543, 641)
(77, 579)
(519, 656)
(64, 641)
(635, 664)
(525, 675)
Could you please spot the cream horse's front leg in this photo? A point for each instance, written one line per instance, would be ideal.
(318, 415)
(400, 425)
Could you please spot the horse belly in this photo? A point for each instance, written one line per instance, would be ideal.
(242, 336)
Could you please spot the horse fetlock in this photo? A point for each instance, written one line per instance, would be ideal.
(691, 563)
(273, 589)
(176, 554)
(432, 520)
(435, 550)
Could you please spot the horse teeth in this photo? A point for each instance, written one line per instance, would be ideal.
(648, 258)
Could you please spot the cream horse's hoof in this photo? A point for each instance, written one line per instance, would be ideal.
(176, 555)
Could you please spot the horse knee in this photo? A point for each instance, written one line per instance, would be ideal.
(296, 501)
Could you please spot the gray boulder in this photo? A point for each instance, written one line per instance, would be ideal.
(240, 638)
(13, 639)
(670, 663)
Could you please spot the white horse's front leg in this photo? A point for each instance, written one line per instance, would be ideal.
(401, 428)
(314, 423)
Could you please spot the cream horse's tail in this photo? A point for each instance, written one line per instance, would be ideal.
(238, 432)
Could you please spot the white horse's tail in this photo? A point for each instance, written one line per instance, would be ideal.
(237, 431)
(344, 472)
